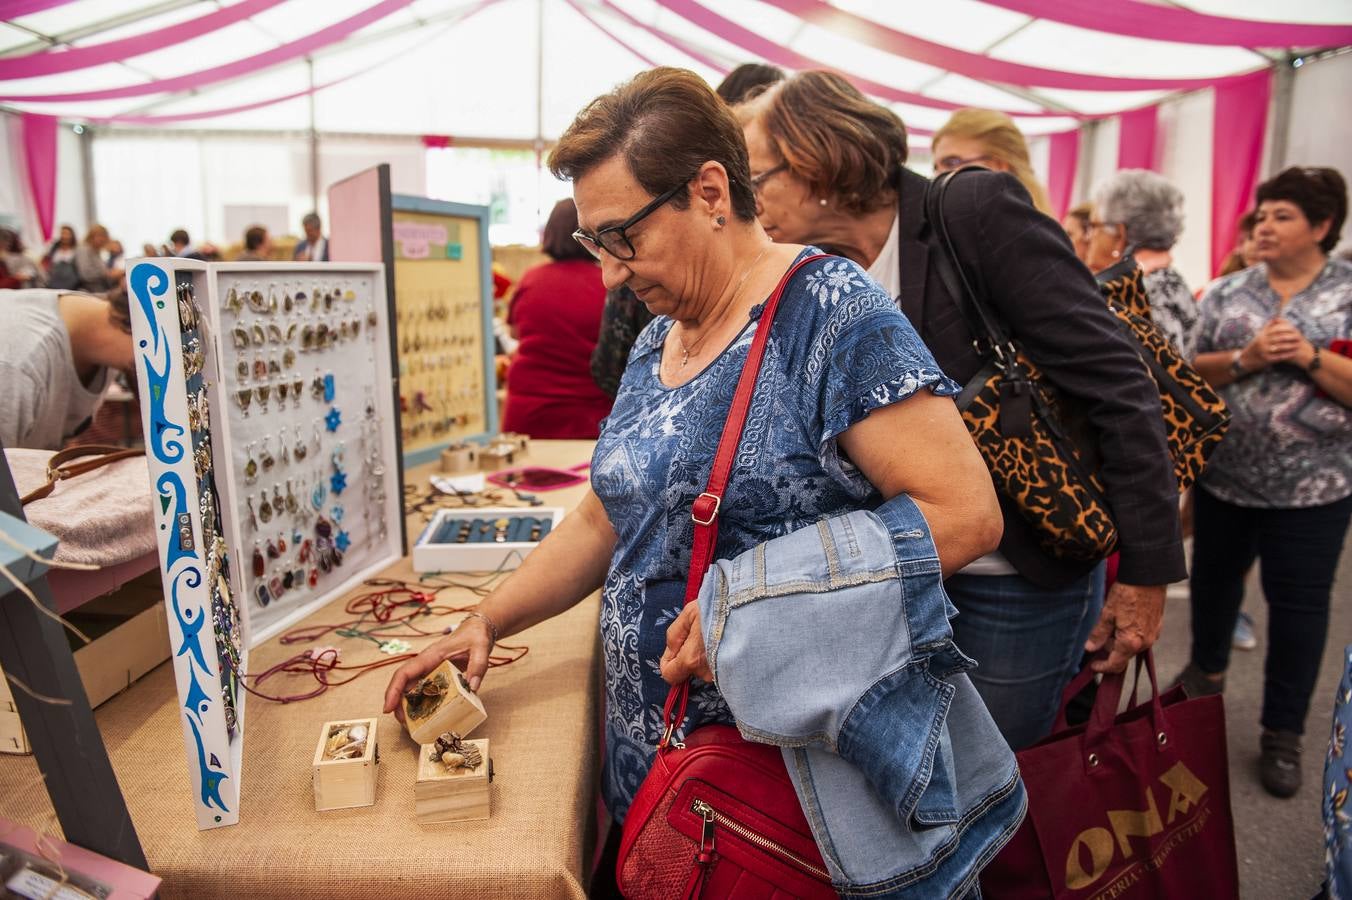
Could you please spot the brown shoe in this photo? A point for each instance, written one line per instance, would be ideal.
(1197, 683)
(1279, 765)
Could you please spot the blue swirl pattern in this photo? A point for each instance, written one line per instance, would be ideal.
(160, 356)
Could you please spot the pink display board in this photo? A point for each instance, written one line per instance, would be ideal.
(355, 217)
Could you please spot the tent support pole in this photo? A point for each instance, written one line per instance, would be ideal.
(1283, 87)
(87, 175)
(314, 138)
(1084, 169)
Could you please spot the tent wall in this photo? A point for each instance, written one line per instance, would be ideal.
(215, 184)
(1186, 126)
(1321, 129)
(16, 204)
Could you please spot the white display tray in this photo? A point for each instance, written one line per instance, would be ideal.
(485, 556)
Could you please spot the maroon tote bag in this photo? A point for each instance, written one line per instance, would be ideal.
(1126, 806)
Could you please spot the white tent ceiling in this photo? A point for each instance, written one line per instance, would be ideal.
(479, 70)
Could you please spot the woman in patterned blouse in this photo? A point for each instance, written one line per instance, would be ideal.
(849, 410)
(1279, 487)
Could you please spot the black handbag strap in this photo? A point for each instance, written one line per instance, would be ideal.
(984, 324)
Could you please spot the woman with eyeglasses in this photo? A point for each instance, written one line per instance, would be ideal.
(829, 165)
(1140, 214)
(849, 411)
(1274, 340)
(984, 137)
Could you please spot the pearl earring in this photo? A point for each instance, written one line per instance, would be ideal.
(1116, 254)
(822, 201)
(721, 220)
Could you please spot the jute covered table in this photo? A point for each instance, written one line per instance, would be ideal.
(542, 726)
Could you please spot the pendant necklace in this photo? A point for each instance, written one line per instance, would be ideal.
(685, 349)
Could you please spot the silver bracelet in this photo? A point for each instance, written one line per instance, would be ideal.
(492, 627)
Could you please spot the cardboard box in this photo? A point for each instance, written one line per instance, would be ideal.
(346, 783)
(452, 795)
(13, 739)
(130, 637)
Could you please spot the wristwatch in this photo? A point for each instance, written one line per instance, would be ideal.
(1315, 363)
(1237, 370)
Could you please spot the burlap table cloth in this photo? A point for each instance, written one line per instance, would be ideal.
(542, 725)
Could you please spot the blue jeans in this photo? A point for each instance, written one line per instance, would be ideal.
(1027, 642)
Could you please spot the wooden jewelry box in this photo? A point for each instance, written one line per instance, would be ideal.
(442, 702)
(445, 794)
(439, 549)
(346, 782)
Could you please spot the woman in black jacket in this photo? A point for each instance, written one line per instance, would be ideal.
(827, 166)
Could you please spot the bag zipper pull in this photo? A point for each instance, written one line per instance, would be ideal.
(706, 838)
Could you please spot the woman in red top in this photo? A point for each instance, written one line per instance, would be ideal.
(556, 314)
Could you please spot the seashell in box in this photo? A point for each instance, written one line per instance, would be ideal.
(441, 702)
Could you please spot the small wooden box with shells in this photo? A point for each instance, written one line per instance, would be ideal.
(453, 781)
(442, 702)
(345, 764)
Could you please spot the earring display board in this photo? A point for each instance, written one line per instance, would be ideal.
(270, 437)
(444, 306)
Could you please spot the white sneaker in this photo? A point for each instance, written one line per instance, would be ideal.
(1244, 638)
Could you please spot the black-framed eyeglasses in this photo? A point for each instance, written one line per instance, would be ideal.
(758, 180)
(613, 238)
(949, 163)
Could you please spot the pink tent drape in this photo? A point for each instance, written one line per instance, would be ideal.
(49, 62)
(1136, 139)
(1238, 129)
(981, 66)
(1062, 161)
(1164, 22)
(288, 51)
(39, 150)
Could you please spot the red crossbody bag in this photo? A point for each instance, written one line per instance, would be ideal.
(717, 816)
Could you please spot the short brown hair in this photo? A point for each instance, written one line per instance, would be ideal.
(254, 237)
(557, 241)
(830, 135)
(1320, 193)
(748, 80)
(665, 123)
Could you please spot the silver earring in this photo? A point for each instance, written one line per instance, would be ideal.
(721, 220)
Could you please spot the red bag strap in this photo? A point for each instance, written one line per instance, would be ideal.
(704, 511)
(1104, 716)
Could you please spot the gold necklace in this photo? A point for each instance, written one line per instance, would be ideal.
(736, 292)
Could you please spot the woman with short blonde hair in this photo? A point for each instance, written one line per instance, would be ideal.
(984, 137)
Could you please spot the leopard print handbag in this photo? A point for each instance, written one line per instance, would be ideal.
(1195, 416)
(1037, 444)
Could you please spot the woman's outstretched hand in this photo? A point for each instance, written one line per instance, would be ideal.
(467, 647)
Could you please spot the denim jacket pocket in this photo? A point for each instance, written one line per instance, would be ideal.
(879, 737)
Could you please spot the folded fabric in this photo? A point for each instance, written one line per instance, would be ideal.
(101, 518)
(833, 643)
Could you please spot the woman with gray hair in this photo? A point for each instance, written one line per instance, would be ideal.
(1141, 213)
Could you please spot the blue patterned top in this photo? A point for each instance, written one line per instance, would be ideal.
(840, 348)
(1287, 445)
